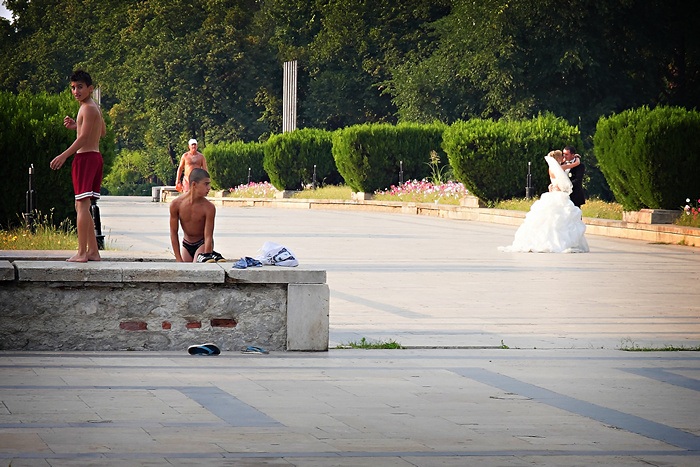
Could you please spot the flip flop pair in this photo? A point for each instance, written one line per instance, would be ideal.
(255, 350)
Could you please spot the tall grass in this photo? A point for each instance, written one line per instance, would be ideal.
(340, 192)
(44, 236)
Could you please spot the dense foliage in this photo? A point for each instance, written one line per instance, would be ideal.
(370, 157)
(32, 133)
(135, 172)
(291, 159)
(211, 69)
(491, 157)
(580, 59)
(170, 70)
(234, 164)
(651, 158)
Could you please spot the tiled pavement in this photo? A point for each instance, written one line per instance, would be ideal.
(562, 394)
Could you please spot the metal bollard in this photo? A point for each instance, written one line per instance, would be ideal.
(30, 202)
(400, 173)
(95, 213)
(528, 186)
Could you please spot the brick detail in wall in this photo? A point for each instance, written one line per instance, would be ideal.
(223, 323)
(167, 325)
(133, 325)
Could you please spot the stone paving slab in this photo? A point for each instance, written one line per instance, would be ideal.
(351, 407)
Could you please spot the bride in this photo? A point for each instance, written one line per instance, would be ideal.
(554, 224)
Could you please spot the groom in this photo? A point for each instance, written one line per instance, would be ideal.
(576, 175)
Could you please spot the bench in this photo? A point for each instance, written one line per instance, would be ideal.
(160, 193)
(120, 305)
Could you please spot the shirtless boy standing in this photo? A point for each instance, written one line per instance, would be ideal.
(86, 169)
(193, 159)
(195, 213)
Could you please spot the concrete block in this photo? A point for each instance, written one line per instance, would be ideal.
(307, 317)
(285, 194)
(361, 196)
(471, 202)
(651, 216)
(63, 271)
(277, 275)
(7, 271)
(207, 273)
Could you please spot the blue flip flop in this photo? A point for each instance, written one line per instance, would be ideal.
(255, 350)
(203, 349)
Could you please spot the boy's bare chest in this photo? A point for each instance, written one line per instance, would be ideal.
(192, 216)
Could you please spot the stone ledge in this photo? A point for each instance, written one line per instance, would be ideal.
(107, 255)
(276, 275)
(107, 271)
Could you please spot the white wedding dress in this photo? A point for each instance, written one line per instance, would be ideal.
(554, 224)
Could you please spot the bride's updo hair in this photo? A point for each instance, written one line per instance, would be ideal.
(558, 155)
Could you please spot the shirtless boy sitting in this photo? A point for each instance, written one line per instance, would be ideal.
(192, 159)
(195, 213)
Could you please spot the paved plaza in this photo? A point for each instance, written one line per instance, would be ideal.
(512, 359)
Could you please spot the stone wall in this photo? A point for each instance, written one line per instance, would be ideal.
(50, 305)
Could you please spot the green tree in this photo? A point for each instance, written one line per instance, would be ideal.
(344, 49)
(135, 171)
(581, 60)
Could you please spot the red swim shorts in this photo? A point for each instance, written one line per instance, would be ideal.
(86, 171)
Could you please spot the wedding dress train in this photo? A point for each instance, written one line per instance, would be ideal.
(553, 224)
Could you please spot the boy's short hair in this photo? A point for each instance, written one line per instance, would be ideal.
(197, 175)
(81, 76)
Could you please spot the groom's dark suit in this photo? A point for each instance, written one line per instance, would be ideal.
(576, 176)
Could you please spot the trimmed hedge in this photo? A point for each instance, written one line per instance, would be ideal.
(228, 164)
(650, 158)
(32, 132)
(491, 157)
(369, 156)
(290, 158)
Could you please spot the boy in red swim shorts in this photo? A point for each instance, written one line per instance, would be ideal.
(86, 169)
